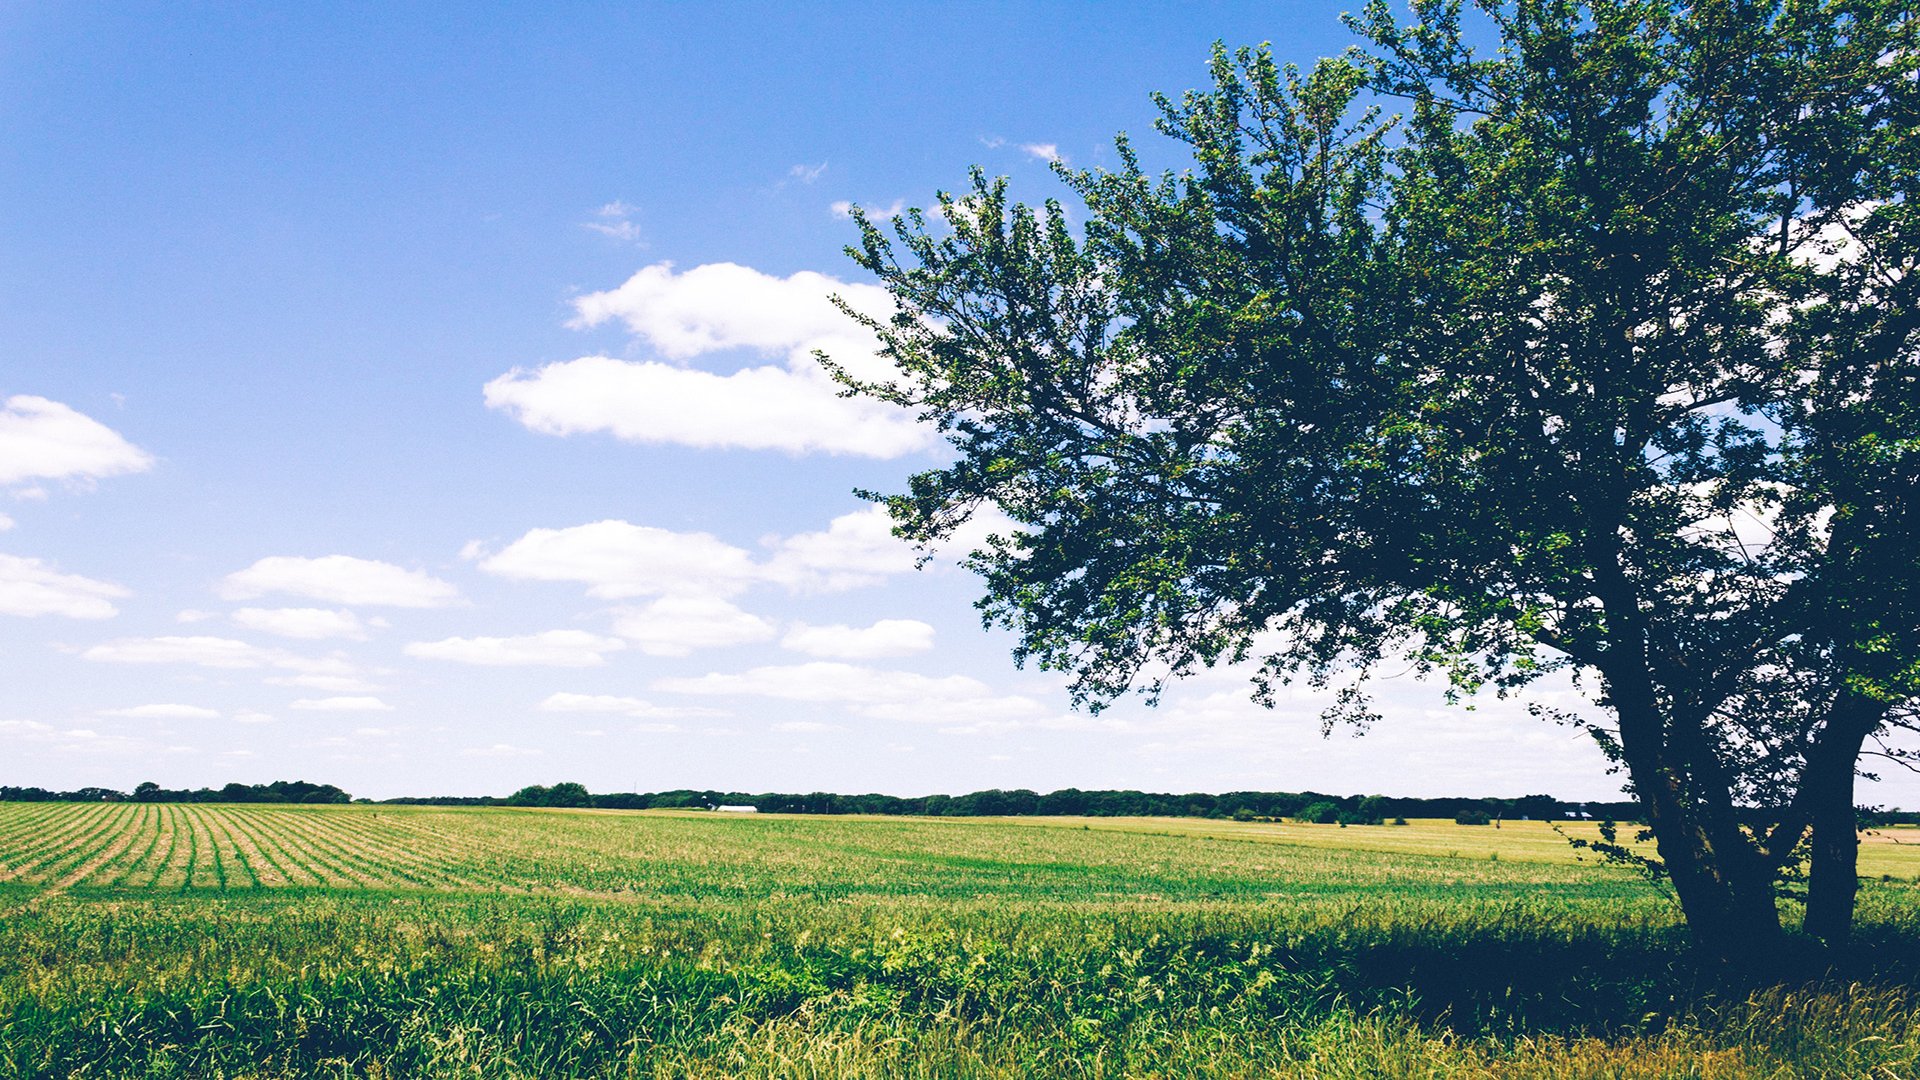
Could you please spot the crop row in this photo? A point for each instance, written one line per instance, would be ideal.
(167, 847)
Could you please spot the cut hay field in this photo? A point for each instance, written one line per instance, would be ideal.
(243, 941)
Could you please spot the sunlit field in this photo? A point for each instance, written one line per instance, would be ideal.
(191, 941)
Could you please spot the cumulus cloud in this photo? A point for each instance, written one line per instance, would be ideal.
(164, 712)
(45, 440)
(761, 408)
(883, 695)
(312, 624)
(888, 637)
(1042, 151)
(554, 648)
(717, 308)
(339, 579)
(342, 704)
(855, 549)
(29, 587)
(726, 306)
(618, 560)
(5, 523)
(678, 625)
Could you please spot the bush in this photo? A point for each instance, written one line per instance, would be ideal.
(1320, 813)
(1473, 817)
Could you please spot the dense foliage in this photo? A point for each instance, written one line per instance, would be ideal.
(1596, 352)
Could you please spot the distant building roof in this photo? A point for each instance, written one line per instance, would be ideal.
(738, 809)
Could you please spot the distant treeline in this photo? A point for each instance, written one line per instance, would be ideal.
(1067, 802)
(996, 802)
(280, 791)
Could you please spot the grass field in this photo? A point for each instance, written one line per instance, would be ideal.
(193, 941)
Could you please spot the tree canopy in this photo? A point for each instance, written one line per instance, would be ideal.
(1591, 350)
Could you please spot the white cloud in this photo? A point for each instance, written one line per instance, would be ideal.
(760, 408)
(615, 219)
(884, 695)
(888, 637)
(620, 560)
(342, 704)
(1042, 151)
(5, 523)
(339, 579)
(164, 712)
(717, 308)
(726, 306)
(251, 716)
(41, 439)
(333, 684)
(498, 750)
(855, 549)
(213, 652)
(625, 706)
(311, 624)
(807, 174)
(844, 208)
(678, 625)
(616, 560)
(554, 648)
(29, 587)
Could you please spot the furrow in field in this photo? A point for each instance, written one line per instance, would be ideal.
(190, 832)
(259, 871)
(46, 835)
(69, 845)
(313, 851)
(211, 866)
(463, 850)
(385, 841)
(172, 871)
(127, 830)
(325, 834)
(140, 828)
(81, 848)
(22, 822)
(297, 852)
(152, 823)
(285, 856)
(393, 866)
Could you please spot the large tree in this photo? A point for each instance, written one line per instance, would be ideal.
(1595, 349)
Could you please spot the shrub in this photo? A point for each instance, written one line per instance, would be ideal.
(1472, 817)
(1320, 813)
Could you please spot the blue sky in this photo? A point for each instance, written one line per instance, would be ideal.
(416, 399)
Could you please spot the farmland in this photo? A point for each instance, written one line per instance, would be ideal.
(217, 940)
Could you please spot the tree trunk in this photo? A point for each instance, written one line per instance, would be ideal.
(1725, 889)
(1833, 876)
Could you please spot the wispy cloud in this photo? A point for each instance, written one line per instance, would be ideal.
(615, 219)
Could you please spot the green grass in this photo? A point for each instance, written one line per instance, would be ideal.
(415, 941)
